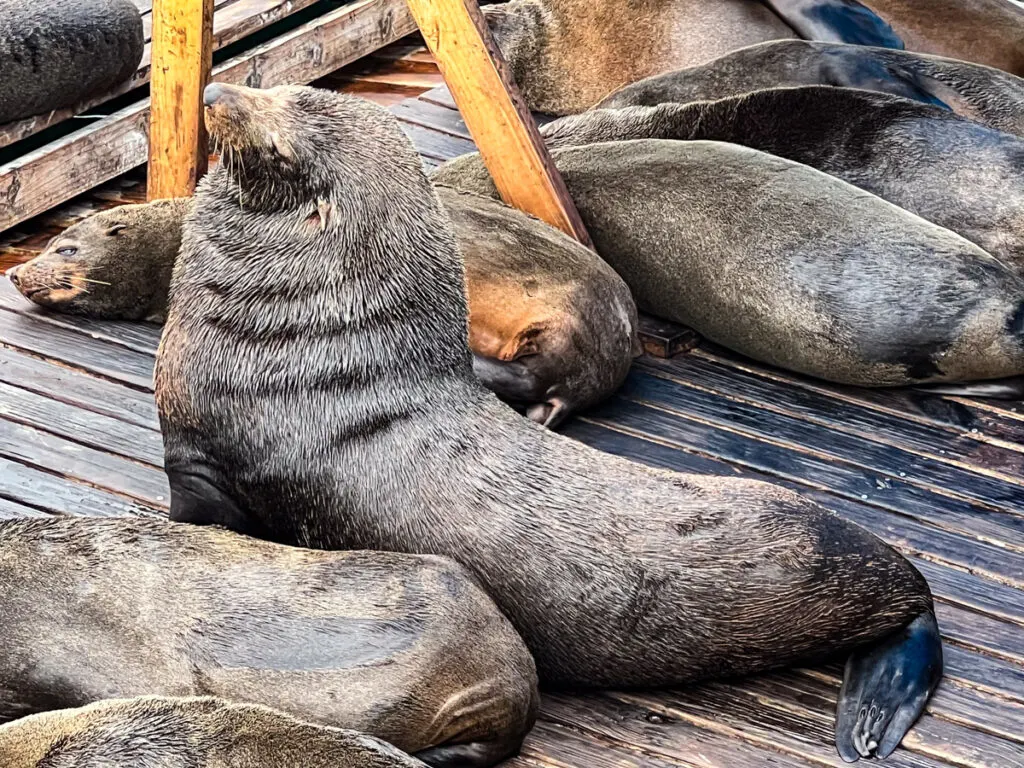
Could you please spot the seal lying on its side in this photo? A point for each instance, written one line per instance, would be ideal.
(989, 32)
(985, 95)
(154, 732)
(617, 575)
(408, 649)
(566, 54)
(895, 148)
(55, 53)
(552, 327)
(788, 265)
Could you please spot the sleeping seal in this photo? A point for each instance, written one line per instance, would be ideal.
(552, 327)
(408, 649)
(989, 32)
(814, 276)
(980, 93)
(617, 575)
(154, 732)
(565, 55)
(892, 147)
(55, 53)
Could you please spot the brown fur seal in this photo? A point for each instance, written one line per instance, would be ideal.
(892, 147)
(154, 732)
(552, 327)
(980, 93)
(565, 55)
(616, 574)
(55, 53)
(408, 649)
(989, 32)
(115, 264)
(789, 265)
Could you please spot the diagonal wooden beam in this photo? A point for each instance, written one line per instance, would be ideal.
(182, 59)
(498, 119)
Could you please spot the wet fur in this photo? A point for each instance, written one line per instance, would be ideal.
(156, 732)
(553, 326)
(121, 268)
(408, 649)
(985, 95)
(815, 276)
(565, 55)
(617, 575)
(55, 53)
(922, 158)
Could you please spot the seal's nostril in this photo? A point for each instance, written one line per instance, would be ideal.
(214, 93)
(12, 274)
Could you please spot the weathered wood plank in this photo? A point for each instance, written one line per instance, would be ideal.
(11, 509)
(81, 426)
(498, 118)
(82, 160)
(831, 414)
(77, 350)
(432, 117)
(50, 453)
(32, 487)
(79, 389)
(430, 143)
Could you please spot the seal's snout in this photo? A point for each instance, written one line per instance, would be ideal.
(12, 275)
(219, 95)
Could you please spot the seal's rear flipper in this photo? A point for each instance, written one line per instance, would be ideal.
(480, 754)
(1011, 388)
(195, 498)
(508, 379)
(836, 21)
(885, 688)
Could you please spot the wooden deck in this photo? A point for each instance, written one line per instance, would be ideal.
(942, 479)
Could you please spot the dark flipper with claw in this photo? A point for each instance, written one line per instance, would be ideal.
(477, 755)
(885, 689)
(197, 498)
(836, 21)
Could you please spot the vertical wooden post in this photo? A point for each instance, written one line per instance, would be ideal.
(499, 121)
(182, 59)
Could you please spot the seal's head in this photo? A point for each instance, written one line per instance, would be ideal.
(115, 265)
(287, 146)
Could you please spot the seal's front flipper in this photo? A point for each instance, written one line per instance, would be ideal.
(508, 379)
(836, 21)
(885, 688)
(481, 754)
(1011, 388)
(196, 498)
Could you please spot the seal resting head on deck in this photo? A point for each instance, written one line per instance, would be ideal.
(983, 94)
(156, 732)
(406, 648)
(553, 329)
(788, 265)
(337, 407)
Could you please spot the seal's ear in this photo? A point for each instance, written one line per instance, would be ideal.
(322, 215)
(116, 229)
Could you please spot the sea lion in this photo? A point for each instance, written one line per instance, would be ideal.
(408, 649)
(616, 574)
(115, 264)
(565, 55)
(892, 147)
(788, 265)
(54, 53)
(156, 732)
(985, 95)
(552, 327)
(989, 32)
